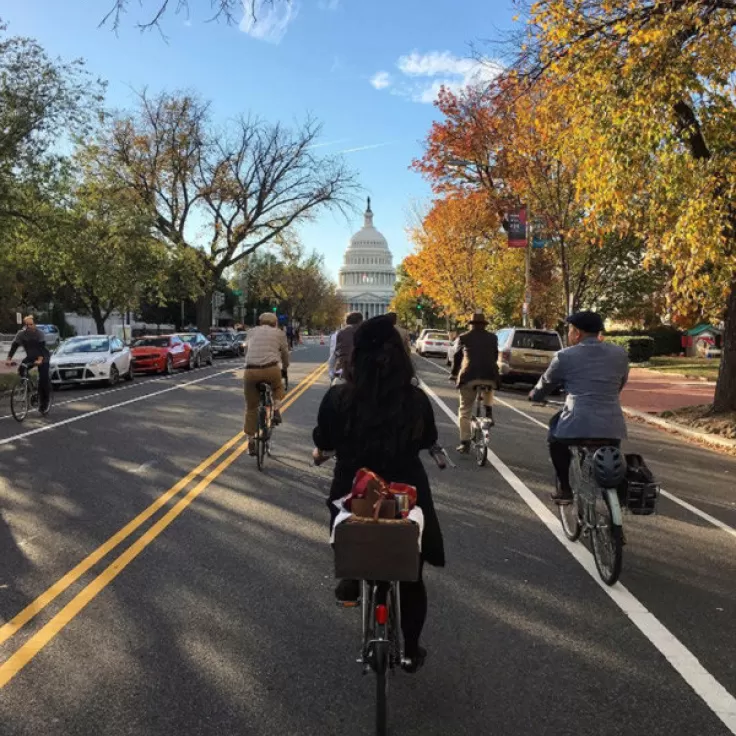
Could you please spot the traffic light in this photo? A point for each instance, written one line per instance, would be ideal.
(419, 307)
(275, 309)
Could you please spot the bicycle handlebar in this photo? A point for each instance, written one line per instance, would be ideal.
(437, 452)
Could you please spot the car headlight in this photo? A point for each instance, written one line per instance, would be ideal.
(98, 361)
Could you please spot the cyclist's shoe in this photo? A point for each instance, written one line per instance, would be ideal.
(464, 447)
(276, 419)
(562, 497)
(489, 416)
(347, 593)
(44, 409)
(252, 447)
(412, 664)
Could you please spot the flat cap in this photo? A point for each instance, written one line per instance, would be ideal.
(587, 321)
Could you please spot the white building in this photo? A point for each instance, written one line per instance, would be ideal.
(366, 279)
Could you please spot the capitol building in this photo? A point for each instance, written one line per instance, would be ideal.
(366, 279)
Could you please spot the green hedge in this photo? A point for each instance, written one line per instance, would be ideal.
(667, 340)
(639, 347)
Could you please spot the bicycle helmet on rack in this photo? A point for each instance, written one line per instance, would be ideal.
(609, 466)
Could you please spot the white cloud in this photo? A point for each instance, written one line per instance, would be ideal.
(381, 80)
(268, 21)
(425, 74)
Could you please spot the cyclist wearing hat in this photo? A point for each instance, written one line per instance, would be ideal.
(592, 373)
(475, 364)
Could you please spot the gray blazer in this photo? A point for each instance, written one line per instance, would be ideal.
(593, 374)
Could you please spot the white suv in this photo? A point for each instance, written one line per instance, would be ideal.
(51, 335)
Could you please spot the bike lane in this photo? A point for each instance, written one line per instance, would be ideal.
(679, 566)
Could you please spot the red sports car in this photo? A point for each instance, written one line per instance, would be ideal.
(161, 354)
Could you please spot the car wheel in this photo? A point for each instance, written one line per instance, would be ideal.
(114, 376)
(129, 375)
(198, 361)
(169, 366)
(190, 362)
(210, 359)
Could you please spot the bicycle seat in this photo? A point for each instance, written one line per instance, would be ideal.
(263, 386)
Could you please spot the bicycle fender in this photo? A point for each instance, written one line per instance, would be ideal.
(614, 505)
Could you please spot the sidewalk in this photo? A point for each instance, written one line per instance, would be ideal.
(653, 393)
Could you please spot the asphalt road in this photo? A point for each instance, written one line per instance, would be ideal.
(144, 591)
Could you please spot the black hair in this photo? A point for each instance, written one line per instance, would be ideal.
(383, 415)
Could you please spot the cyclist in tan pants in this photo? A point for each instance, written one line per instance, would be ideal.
(476, 364)
(268, 353)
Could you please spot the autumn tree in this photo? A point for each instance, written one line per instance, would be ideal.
(223, 193)
(462, 262)
(411, 303)
(648, 90)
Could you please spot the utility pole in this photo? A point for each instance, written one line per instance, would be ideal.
(527, 270)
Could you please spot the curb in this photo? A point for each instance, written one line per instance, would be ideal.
(700, 379)
(709, 439)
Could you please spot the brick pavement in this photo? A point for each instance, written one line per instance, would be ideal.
(656, 392)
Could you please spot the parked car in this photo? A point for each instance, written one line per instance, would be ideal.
(201, 347)
(524, 354)
(433, 342)
(50, 335)
(242, 339)
(89, 359)
(223, 343)
(451, 350)
(161, 354)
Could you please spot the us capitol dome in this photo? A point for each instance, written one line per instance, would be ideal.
(366, 279)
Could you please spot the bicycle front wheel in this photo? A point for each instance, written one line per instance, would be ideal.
(381, 654)
(20, 401)
(570, 517)
(607, 541)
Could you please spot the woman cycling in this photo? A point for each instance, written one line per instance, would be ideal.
(379, 419)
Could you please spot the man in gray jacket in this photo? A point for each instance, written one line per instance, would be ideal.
(592, 373)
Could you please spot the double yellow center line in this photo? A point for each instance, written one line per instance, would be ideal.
(24, 654)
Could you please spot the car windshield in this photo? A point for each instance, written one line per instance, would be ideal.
(438, 336)
(87, 345)
(188, 338)
(221, 338)
(536, 341)
(152, 342)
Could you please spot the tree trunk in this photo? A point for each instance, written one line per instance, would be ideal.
(97, 316)
(725, 398)
(204, 312)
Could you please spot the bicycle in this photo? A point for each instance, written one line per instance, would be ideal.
(25, 397)
(265, 423)
(595, 510)
(480, 428)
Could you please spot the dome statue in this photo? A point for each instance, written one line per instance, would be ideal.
(366, 279)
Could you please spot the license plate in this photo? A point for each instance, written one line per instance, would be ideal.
(72, 374)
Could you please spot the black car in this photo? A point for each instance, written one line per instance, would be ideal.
(224, 344)
(201, 348)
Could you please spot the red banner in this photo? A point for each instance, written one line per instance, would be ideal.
(517, 229)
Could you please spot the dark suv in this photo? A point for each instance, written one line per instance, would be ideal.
(525, 353)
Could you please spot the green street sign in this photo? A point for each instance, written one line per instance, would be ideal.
(238, 292)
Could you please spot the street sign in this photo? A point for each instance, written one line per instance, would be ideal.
(19, 318)
(538, 242)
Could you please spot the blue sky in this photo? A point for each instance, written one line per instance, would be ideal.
(368, 70)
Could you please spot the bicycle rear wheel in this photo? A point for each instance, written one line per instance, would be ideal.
(381, 656)
(607, 541)
(570, 517)
(20, 400)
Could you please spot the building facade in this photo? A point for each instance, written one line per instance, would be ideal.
(366, 279)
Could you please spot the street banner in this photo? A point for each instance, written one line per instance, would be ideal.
(517, 228)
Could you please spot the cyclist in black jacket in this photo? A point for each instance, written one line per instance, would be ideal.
(33, 341)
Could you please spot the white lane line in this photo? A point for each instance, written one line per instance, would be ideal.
(716, 697)
(70, 420)
(132, 384)
(667, 494)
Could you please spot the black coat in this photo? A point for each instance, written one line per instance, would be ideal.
(477, 358)
(331, 434)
